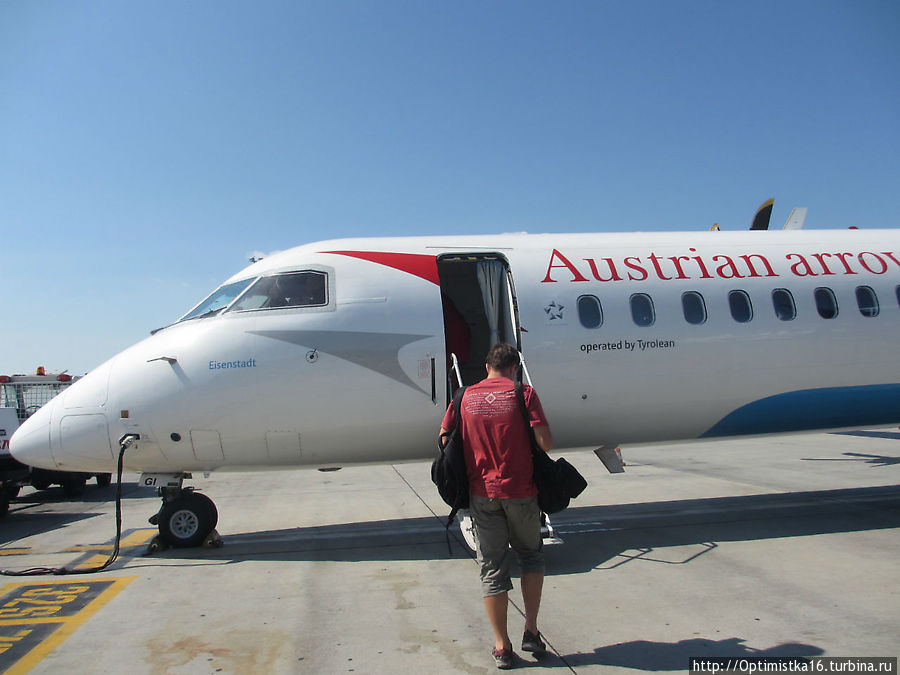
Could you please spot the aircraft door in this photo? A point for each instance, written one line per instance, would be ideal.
(480, 310)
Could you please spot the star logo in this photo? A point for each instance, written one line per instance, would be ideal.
(554, 311)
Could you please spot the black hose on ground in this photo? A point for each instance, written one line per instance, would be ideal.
(124, 443)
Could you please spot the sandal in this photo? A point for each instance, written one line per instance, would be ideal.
(503, 658)
(531, 642)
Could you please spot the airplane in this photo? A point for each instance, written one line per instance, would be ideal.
(346, 352)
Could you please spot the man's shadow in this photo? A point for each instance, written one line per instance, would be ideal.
(669, 656)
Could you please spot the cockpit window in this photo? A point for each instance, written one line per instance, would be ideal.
(295, 289)
(218, 300)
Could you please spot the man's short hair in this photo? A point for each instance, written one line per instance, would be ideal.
(502, 357)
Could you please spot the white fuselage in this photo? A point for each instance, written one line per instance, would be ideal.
(628, 338)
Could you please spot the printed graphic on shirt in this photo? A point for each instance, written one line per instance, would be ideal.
(490, 404)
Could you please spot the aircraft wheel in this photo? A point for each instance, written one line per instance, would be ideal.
(187, 520)
(104, 479)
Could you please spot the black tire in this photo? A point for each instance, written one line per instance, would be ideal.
(40, 483)
(72, 487)
(187, 521)
(104, 479)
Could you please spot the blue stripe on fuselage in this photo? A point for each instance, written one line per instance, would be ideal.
(830, 408)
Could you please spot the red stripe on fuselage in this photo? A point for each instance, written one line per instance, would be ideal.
(417, 264)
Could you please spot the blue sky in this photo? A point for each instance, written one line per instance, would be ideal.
(148, 148)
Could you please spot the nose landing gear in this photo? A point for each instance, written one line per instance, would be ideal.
(186, 518)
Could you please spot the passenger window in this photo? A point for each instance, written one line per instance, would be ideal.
(741, 308)
(783, 302)
(298, 289)
(826, 303)
(642, 309)
(867, 301)
(694, 307)
(590, 313)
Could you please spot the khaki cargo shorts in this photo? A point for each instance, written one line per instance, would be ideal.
(499, 525)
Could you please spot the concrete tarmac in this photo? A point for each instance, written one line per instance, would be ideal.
(784, 546)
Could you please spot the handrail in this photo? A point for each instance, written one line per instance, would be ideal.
(526, 376)
(454, 369)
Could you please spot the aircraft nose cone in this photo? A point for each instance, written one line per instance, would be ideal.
(30, 444)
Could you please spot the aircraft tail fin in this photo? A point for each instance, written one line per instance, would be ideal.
(763, 214)
(795, 220)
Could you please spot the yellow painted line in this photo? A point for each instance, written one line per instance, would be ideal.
(93, 561)
(28, 610)
(34, 621)
(133, 539)
(136, 538)
(139, 537)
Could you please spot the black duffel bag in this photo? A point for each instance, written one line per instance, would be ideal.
(557, 481)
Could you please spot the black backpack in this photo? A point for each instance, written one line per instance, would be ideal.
(448, 470)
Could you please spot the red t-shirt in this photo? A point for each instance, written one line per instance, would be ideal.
(497, 446)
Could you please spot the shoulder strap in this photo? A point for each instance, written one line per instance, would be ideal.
(457, 403)
(520, 395)
(457, 411)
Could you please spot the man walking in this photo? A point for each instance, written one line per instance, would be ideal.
(502, 494)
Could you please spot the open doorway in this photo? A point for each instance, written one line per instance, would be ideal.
(479, 311)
